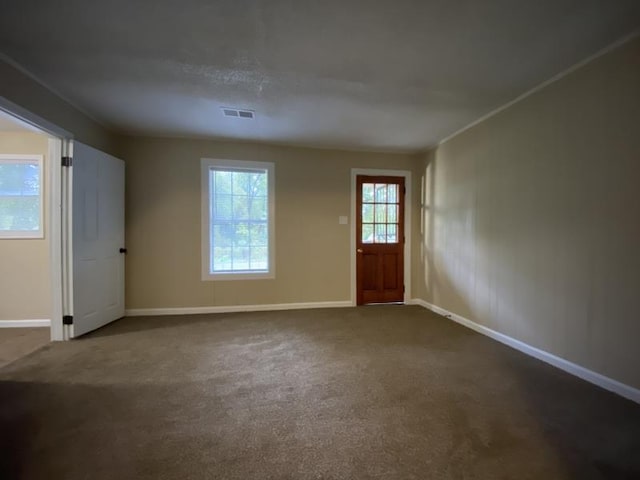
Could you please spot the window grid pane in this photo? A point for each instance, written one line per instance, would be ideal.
(20, 196)
(239, 221)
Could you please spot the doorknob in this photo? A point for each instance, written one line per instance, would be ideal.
(359, 250)
(123, 250)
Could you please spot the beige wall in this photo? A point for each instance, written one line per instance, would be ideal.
(533, 221)
(163, 223)
(25, 284)
(32, 96)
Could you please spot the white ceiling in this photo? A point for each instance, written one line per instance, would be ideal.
(385, 74)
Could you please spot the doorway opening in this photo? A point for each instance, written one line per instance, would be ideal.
(30, 295)
(81, 233)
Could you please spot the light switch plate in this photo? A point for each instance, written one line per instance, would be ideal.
(343, 220)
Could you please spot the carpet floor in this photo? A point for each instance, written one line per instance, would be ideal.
(18, 342)
(384, 392)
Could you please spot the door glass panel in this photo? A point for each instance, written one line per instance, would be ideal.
(392, 213)
(367, 212)
(381, 192)
(392, 193)
(367, 233)
(380, 212)
(392, 233)
(367, 192)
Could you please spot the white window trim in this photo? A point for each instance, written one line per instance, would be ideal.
(205, 165)
(28, 234)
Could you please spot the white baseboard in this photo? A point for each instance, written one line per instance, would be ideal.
(598, 379)
(138, 312)
(44, 322)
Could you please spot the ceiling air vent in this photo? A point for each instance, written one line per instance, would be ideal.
(234, 112)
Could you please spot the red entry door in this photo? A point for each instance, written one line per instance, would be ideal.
(380, 239)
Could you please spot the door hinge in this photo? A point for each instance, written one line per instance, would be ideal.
(67, 320)
(67, 161)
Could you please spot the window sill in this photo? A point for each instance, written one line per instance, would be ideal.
(208, 277)
(21, 235)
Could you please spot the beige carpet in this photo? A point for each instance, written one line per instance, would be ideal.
(385, 392)
(15, 343)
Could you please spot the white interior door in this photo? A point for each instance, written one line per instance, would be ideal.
(97, 239)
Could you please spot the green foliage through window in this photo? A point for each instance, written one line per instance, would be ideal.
(239, 220)
(19, 196)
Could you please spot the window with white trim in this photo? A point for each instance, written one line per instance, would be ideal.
(21, 200)
(237, 220)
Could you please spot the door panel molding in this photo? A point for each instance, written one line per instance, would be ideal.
(407, 226)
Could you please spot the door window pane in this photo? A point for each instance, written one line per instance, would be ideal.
(392, 233)
(367, 192)
(367, 233)
(381, 192)
(392, 193)
(392, 213)
(380, 212)
(367, 213)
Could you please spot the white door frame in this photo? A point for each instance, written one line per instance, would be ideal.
(407, 225)
(54, 198)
